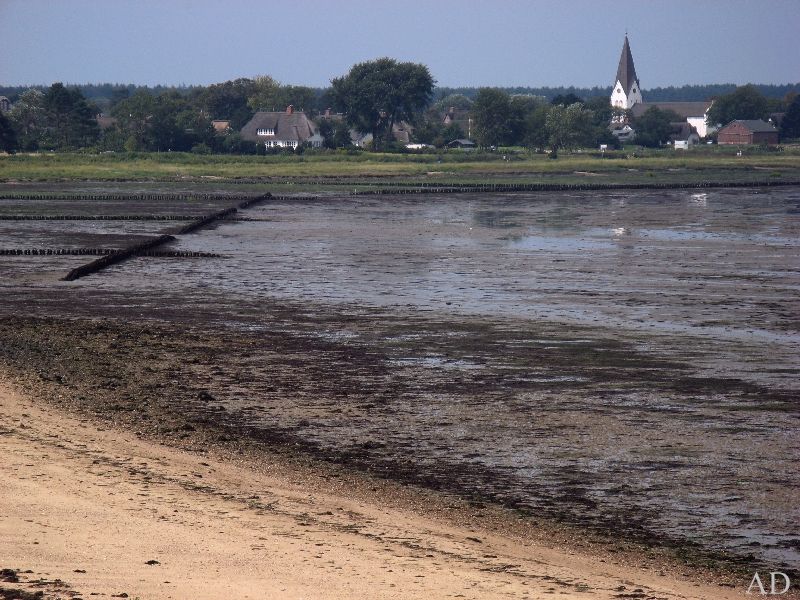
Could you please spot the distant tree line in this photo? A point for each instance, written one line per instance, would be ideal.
(683, 93)
(105, 95)
(373, 97)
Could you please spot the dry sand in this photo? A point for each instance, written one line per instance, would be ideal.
(91, 506)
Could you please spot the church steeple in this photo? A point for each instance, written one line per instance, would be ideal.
(626, 87)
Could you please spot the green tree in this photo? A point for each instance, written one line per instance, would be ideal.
(268, 94)
(449, 133)
(379, 93)
(536, 134)
(519, 107)
(429, 128)
(228, 100)
(341, 135)
(71, 120)
(234, 144)
(602, 111)
(567, 126)
(29, 119)
(459, 101)
(746, 102)
(653, 127)
(566, 100)
(335, 133)
(300, 96)
(491, 113)
(601, 115)
(8, 137)
(790, 125)
(264, 94)
(134, 117)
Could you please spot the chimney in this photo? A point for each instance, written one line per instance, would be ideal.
(289, 109)
(452, 110)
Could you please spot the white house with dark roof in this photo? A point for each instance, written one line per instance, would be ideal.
(287, 129)
(695, 113)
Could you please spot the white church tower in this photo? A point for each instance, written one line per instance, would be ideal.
(626, 89)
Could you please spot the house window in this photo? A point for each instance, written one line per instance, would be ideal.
(265, 131)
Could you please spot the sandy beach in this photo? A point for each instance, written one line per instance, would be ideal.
(89, 511)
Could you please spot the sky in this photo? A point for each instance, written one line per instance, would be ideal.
(464, 43)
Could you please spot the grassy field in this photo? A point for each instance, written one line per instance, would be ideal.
(700, 165)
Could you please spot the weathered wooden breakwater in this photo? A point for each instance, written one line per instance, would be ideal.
(396, 188)
(170, 197)
(149, 247)
(99, 217)
(101, 252)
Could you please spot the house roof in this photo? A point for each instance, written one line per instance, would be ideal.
(755, 125)
(681, 131)
(683, 109)
(288, 126)
(104, 122)
(221, 125)
(626, 72)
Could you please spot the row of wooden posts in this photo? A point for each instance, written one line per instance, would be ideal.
(391, 187)
(147, 247)
(102, 252)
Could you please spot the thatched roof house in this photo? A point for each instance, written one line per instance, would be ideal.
(286, 129)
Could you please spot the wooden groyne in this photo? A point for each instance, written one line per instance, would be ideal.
(102, 252)
(160, 197)
(150, 247)
(117, 257)
(99, 217)
(465, 188)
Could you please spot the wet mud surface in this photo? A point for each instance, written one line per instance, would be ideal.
(622, 361)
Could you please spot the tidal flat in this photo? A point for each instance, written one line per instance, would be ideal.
(621, 361)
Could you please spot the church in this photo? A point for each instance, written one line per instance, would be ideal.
(626, 89)
(627, 95)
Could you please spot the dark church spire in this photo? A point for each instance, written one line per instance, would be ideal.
(626, 72)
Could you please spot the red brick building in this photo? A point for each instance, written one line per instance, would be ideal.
(748, 132)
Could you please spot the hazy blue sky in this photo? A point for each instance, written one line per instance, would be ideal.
(465, 42)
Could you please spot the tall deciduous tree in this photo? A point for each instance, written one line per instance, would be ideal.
(746, 102)
(134, 117)
(70, 120)
(491, 113)
(790, 126)
(536, 135)
(567, 126)
(653, 127)
(8, 138)
(268, 94)
(376, 94)
(459, 101)
(227, 100)
(29, 119)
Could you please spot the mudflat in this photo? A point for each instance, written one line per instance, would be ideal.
(620, 364)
